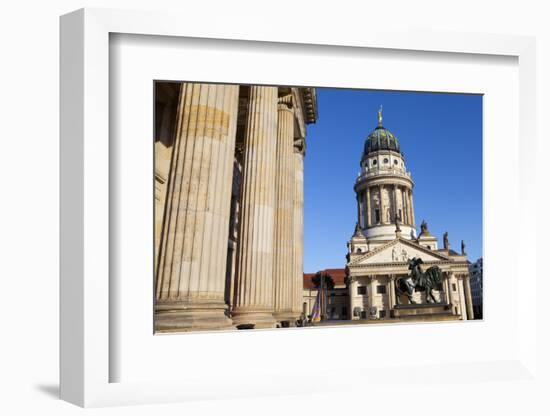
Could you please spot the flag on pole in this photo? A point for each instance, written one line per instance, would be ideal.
(316, 311)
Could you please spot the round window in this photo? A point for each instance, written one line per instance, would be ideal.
(374, 162)
(395, 162)
(386, 160)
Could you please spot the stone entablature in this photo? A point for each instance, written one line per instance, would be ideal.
(309, 99)
(385, 172)
(384, 177)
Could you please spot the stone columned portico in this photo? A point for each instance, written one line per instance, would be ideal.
(229, 205)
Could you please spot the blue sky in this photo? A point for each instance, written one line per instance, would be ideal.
(441, 137)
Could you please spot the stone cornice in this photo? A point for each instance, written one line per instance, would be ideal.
(299, 116)
(309, 99)
(384, 179)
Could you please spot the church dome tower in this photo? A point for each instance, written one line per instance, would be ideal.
(384, 189)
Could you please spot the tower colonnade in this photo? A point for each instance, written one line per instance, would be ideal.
(229, 205)
(381, 203)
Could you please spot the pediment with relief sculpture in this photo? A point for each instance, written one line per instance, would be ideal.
(398, 251)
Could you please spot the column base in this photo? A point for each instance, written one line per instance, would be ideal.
(191, 316)
(253, 320)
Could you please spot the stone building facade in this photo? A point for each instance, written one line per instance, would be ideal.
(229, 205)
(476, 277)
(337, 300)
(385, 239)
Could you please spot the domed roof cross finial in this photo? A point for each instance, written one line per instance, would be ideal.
(380, 115)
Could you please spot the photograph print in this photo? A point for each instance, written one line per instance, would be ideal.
(293, 207)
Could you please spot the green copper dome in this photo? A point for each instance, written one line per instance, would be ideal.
(381, 138)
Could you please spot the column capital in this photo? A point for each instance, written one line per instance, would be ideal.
(286, 102)
(300, 146)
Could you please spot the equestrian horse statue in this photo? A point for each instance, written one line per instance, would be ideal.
(419, 281)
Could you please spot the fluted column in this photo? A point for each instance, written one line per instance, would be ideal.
(468, 298)
(403, 206)
(462, 298)
(392, 292)
(361, 208)
(411, 207)
(359, 213)
(395, 210)
(405, 195)
(352, 294)
(367, 202)
(298, 259)
(371, 291)
(253, 305)
(382, 207)
(283, 272)
(449, 289)
(193, 251)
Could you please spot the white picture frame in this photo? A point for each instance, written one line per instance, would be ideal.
(86, 355)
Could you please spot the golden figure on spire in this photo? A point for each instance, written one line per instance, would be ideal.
(380, 116)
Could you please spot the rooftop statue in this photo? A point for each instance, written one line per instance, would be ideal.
(397, 227)
(446, 240)
(423, 227)
(380, 115)
(358, 232)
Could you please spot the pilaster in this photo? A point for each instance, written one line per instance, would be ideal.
(368, 206)
(382, 206)
(392, 292)
(411, 208)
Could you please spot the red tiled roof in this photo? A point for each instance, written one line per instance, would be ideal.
(338, 276)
